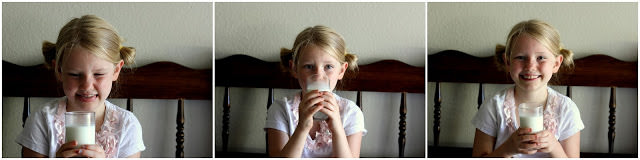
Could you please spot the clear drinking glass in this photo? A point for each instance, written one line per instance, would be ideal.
(319, 82)
(80, 126)
(531, 116)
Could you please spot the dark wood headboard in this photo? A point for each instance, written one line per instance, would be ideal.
(381, 76)
(594, 70)
(160, 80)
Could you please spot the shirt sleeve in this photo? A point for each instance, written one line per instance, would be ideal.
(131, 140)
(485, 119)
(277, 117)
(571, 121)
(35, 134)
(354, 121)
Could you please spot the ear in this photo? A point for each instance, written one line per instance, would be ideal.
(116, 73)
(558, 63)
(506, 61)
(55, 67)
(342, 70)
(292, 68)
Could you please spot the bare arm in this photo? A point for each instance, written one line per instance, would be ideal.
(28, 153)
(570, 146)
(281, 146)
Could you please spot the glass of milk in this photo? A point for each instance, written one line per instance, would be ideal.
(80, 126)
(318, 82)
(531, 116)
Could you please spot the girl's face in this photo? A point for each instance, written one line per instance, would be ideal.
(314, 60)
(86, 79)
(532, 64)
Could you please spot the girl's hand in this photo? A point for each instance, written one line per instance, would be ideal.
(332, 109)
(69, 150)
(522, 141)
(310, 103)
(91, 151)
(546, 141)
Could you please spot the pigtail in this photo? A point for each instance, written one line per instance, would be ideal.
(567, 59)
(286, 55)
(128, 55)
(49, 53)
(352, 68)
(499, 57)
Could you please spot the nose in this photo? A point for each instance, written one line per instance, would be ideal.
(85, 83)
(318, 70)
(530, 63)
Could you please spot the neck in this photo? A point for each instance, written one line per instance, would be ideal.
(536, 96)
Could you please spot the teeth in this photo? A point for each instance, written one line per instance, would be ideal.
(88, 96)
(530, 77)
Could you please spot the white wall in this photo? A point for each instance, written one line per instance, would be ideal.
(585, 28)
(177, 32)
(373, 31)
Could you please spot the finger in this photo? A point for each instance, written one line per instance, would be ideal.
(69, 153)
(69, 145)
(311, 94)
(522, 131)
(86, 153)
(330, 100)
(528, 137)
(93, 147)
(311, 102)
(527, 145)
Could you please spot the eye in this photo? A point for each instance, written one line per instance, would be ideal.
(307, 66)
(73, 74)
(541, 58)
(328, 66)
(98, 74)
(519, 57)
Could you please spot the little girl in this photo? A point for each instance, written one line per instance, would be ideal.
(292, 132)
(87, 59)
(531, 56)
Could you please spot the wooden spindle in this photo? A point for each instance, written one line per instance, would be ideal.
(226, 106)
(402, 140)
(180, 127)
(612, 119)
(129, 104)
(436, 115)
(25, 110)
(569, 91)
(480, 95)
(266, 134)
(359, 100)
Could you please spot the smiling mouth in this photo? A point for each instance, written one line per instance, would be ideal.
(86, 97)
(530, 77)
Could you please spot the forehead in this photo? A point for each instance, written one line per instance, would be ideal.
(79, 58)
(527, 44)
(314, 53)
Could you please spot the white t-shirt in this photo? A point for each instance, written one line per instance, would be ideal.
(497, 117)
(120, 135)
(283, 116)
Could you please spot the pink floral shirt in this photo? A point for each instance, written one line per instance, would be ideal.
(120, 134)
(497, 117)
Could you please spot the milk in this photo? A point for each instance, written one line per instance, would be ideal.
(318, 85)
(82, 134)
(535, 122)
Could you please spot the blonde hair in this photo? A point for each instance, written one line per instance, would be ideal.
(92, 33)
(540, 31)
(322, 37)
